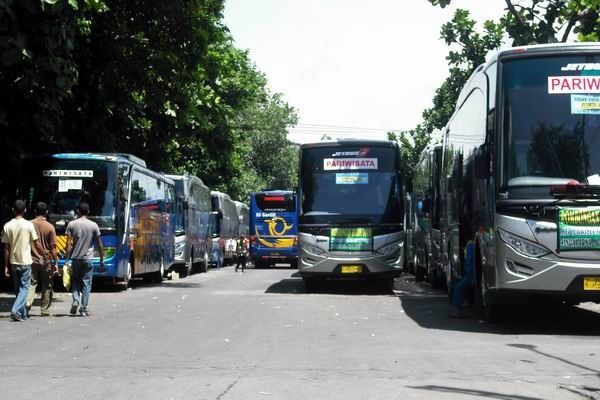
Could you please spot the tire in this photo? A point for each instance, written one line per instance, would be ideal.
(128, 275)
(158, 276)
(205, 265)
(187, 268)
(387, 285)
(437, 279)
(450, 280)
(487, 310)
(310, 284)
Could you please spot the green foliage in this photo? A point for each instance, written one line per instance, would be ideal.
(161, 80)
(411, 143)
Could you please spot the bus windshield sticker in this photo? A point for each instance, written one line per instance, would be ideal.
(573, 84)
(585, 104)
(351, 239)
(578, 229)
(352, 178)
(336, 164)
(64, 185)
(67, 173)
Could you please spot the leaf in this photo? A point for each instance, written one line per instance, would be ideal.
(10, 57)
(74, 4)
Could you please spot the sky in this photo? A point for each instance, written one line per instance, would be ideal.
(350, 68)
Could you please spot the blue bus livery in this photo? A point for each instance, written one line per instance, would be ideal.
(132, 205)
(273, 228)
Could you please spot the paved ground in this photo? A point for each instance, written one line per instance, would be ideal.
(257, 335)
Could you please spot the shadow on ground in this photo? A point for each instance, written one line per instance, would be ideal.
(350, 287)
(430, 309)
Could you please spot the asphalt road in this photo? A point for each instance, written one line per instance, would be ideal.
(257, 335)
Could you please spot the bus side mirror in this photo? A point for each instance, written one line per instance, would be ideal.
(482, 163)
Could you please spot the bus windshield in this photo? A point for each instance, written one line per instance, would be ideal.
(63, 184)
(346, 184)
(550, 123)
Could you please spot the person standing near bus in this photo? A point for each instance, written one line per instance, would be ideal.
(45, 263)
(82, 233)
(242, 252)
(19, 237)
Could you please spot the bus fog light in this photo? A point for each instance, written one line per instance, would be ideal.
(522, 246)
(510, 265)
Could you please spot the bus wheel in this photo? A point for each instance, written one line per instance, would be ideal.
(310, 284)
(387, 285)
(160, 274)
(128, 275)
(488, 310)
(420, 273)
(205, 263)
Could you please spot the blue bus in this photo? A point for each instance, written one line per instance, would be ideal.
(273, 228)
(132, 205)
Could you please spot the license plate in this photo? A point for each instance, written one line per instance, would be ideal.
(351, 269)
(591, 283)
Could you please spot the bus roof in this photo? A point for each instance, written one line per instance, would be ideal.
(350, 142)
(185, 177)
(101, 156)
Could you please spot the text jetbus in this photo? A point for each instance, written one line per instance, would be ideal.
(273, 228)
(132, 205)
(522, 176)
(350, 211)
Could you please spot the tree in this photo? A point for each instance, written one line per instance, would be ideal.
(411, 143)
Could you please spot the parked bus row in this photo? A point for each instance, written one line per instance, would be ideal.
(151, 223)
(517, 175)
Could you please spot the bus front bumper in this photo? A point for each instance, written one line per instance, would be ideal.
(359, 265)
(549, 275)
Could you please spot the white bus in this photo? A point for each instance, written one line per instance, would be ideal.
(521, 177)
(350, 211)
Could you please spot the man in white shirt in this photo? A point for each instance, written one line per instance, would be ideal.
(18, 237)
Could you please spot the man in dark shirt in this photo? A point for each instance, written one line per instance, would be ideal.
(44, 265)
(242, 252)
(82, 234)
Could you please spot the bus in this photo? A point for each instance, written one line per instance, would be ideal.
(192, 218)
(426, 236)
(522, 177)
(350, 217)
(273, 228)
(132, 205)
(243, 214)
(226, 226)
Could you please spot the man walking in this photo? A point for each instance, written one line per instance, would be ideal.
(19, 237)
(242, 252)
(44, 264)
(81, 236)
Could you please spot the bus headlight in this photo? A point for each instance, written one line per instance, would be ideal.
(523, 246)
(390, 248)
(312, 249)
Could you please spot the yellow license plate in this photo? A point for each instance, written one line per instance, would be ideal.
(591, 283)
(351, 269)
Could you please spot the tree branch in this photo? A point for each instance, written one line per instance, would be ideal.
(514, 12)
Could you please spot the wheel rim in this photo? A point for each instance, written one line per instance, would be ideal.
(129, 272)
